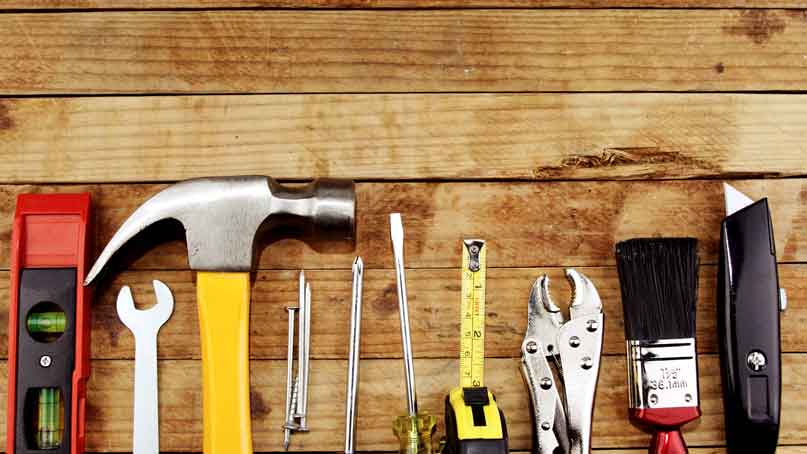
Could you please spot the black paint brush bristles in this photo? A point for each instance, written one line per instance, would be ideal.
(659, 281)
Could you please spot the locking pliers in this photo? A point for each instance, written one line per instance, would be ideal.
(563, 426)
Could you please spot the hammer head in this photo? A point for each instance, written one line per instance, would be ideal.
(222, 217)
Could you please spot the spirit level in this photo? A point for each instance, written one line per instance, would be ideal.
(49, 324)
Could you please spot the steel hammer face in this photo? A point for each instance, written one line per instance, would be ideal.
(222, 218)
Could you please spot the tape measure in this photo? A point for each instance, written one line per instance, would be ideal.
(472, 315)
(474, 423)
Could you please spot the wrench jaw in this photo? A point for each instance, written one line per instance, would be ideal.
(125, 306)
(165, 303)
(154, 317)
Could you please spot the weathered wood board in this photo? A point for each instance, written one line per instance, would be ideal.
(365, 4)
(283, 51)
(527, 224)
(551, 128)
(438, 136)
(434, 305)
(382, 394)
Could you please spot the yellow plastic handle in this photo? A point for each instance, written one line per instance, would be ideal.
(414, 433)
(223, 300)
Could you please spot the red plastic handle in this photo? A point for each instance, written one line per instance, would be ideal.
(666, 423)
(668, 442)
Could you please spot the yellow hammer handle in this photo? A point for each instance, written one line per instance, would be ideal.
(223, 300)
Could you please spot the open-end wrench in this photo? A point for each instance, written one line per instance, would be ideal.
(145, 324)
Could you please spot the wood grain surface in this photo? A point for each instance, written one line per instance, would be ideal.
(551, 128)
(382, 396)
(282, 51)
(381, 4)
(537, 137)
(434, 308)
(547, 224)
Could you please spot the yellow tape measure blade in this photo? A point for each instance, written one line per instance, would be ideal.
(472, 314)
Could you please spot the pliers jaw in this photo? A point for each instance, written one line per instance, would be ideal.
(563, 427)
(544, 318)
(585, 298)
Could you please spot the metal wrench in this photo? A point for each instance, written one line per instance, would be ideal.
(145, 324)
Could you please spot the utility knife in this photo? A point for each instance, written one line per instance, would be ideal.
(749, 302)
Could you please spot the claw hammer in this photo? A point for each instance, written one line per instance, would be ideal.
(222, 218)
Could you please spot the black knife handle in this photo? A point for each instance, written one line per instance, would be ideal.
(748, 322)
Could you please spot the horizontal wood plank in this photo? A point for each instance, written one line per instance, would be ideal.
(283, 51)
(793, 449)
(382, 396)
(523, 136)
(382, 4)
(796, 449)
(779, 449)
(526, 224)
(434, 312)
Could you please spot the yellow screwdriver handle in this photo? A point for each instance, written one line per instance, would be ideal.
(223, 300)
(414, 433)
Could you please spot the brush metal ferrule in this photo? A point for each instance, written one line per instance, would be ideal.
(662, 373)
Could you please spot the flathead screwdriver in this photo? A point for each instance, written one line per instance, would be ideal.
(413, 429)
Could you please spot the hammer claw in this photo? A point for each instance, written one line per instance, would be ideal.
(222, 217)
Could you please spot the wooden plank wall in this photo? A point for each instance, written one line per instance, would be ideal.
(551, 128)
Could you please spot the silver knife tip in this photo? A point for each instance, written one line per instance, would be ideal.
(734, 199)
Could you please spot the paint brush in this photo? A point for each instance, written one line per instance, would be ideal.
(659, 282)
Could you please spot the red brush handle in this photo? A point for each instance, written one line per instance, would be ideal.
(666, 423)
(668, 442)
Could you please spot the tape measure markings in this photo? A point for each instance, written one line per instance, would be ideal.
(472, 318)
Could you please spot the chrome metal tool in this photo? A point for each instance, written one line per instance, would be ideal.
(397, 236)
(145, 324)
(353, 358)
(413, 429)
(289, 423)
(304, 341)
(563, 425)
(297, 387)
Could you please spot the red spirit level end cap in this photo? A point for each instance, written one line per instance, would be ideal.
(51, 230)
